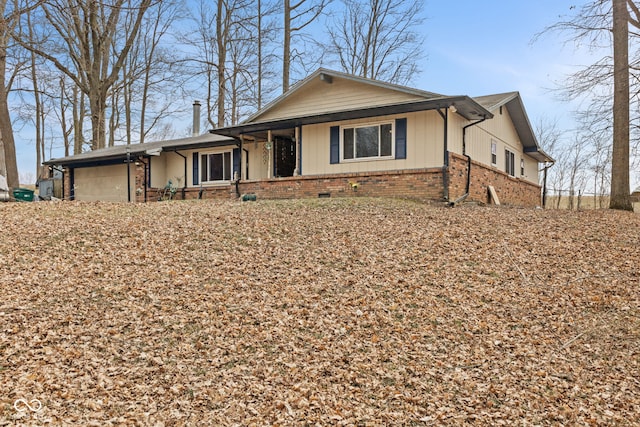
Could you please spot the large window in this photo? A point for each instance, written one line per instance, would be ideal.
(215, 167)
(368, 141)
(510, 162)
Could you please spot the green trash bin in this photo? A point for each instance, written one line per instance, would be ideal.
(23, 195)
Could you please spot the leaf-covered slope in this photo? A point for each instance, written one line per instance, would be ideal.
(349, 312)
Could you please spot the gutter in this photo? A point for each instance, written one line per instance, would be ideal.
(464, 153)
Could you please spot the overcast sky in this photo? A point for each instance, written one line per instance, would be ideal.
(479, 48)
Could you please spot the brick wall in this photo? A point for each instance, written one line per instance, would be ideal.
(140, 179)
(424, 184)
(420, 184)
(66, 184)
(510, 190)
(416, 184)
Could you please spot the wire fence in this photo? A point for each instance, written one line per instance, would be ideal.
(575, 200)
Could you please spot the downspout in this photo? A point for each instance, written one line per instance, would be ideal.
(544, 183)
(63, 172)
(184, 187)
(72, 184)
(464, 153)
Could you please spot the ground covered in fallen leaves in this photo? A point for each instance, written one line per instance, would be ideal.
(319, 312)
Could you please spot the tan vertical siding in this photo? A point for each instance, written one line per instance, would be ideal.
(500, 129)
(258, 159)
(341, 95)
(158, 167)
(175, 168)
(425, 136)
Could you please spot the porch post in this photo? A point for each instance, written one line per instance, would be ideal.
(269, 147)
(296, 171)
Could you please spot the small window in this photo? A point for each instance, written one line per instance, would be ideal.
(215, 167)
(521, 166)
(494, 152)
(366, 142)
(510, 162)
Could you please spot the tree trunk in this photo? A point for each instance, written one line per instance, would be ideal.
(620, 188)
(259, 40)
(221, 32)
(10, 167)
(98, 106)
(78, 120)
(286, 55)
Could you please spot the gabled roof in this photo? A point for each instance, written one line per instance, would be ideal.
(410, 101)
(327, 76)
(513, 103)
(119, 152)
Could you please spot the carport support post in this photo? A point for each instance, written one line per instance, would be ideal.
(128, 175)
(445, 162)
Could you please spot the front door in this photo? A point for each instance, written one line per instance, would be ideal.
(284, 153)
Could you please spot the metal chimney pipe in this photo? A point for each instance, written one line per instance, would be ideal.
(196, 118)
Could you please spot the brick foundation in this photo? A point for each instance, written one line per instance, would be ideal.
(419, 184)
(424, 184)
(510, 190)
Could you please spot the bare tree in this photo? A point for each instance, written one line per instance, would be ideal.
(620, 190)
(604, 25)
(550, 136)
(378, 39)
(297, 16)
(39, 119)
(265, 30)
(229, 60)
(577, 159)
(8, 20)
(87, 30)
(149, 77)
(202, 62)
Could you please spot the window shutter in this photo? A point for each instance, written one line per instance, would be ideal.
(196, 163)
(401, 138)
(236, 163)
(334, 146)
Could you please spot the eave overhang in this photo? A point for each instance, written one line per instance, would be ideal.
(514, 105)
(464, 105)
(120, 153)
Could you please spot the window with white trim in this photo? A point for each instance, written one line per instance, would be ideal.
(369, 141)
(216, 167)
(510, 162)
(494, 152)
(522, 166)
